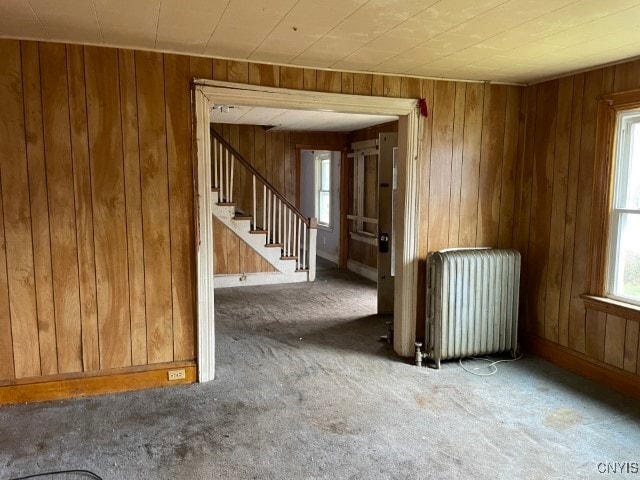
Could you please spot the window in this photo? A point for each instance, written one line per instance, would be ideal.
(323, 187)
(624, 237)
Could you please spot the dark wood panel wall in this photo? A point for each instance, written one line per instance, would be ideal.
(553, 217)
(97, 246)
(469, 156)
(97, 210)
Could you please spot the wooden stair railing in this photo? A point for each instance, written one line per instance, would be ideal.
(277, 218)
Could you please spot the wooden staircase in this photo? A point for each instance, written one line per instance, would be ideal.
(246, 203)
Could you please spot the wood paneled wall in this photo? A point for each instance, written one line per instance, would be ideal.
(469, 150)
(233, 255)
(97, 209)
(96, 171)
(553, 216)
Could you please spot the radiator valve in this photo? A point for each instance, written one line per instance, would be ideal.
(419, 355)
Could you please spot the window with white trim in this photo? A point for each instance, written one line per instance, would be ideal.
(624, 239)
(323, 187)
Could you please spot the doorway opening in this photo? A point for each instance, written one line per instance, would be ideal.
(209, 96)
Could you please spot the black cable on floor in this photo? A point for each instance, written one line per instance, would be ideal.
(60, 472)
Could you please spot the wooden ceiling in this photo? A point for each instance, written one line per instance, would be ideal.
(519, 41)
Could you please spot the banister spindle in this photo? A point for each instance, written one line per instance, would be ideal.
(264, 207)
(231, 180)
(255, 218)
(299, 250)
(287, 231)
(280, 239)
(304, 245)
(268, 224)
(215, 163)
(226, 177)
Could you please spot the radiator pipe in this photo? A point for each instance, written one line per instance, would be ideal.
(419, 354)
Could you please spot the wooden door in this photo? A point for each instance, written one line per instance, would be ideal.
(386, 186)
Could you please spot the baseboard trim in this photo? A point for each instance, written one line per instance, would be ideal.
(62, 387)
(327, 256)
(363, 270)
(619, 380)
(258, 278)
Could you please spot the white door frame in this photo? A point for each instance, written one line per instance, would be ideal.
(207, 92)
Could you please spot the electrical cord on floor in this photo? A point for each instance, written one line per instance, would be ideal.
(492, 365)
(60, 472)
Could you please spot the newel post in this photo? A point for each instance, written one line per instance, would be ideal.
(313, 233)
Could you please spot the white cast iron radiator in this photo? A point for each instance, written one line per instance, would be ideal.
(472, 303)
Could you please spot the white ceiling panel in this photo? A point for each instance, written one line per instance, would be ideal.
(130, 24)
(418, 37)
(279, 119)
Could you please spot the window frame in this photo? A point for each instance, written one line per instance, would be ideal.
(317, 162)
(620, 184)
(601, 240)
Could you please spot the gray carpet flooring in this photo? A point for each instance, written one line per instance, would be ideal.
(305, 389)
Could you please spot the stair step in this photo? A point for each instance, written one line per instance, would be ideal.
(274, 245)
(288, 258)
(242, 217)
(215, 189)
(255, 232)
(302, 270)
(227, 204)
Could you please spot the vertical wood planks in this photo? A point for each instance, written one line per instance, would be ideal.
(155, 206)
(237, 71)
(541, 196)
(133, 196)
(391, 86)
(631, 346)
(362, 83)
(179, 160)
(17, 216)
(570, 210)
(492, 144)
(328, 81)
(7, 371)
(440, 171)
(264, 75)
(472, 138)
(220, 246)
(592, 88)
(291, 77)
(614, 340)
(456, 164)
(84, 208)
(60, 187)
(523, 204)
(595, 326)
(347, 83)
(558, 209)
(107, 180)
(309, 80)
(39, 209)
(509, 164)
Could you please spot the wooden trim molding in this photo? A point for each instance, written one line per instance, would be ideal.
(619, 380)
(408, 211)
(204, 244)
(608, 108)
(60, 387)
(612, 307)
